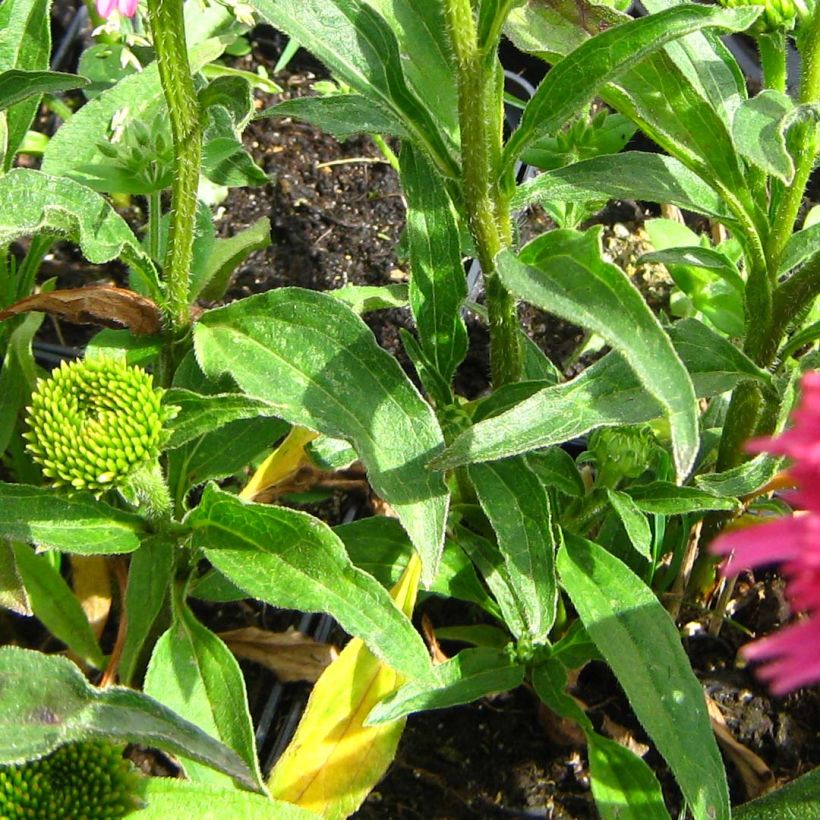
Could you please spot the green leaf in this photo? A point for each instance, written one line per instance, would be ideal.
(605, 394)
(556, 468)
(355, 42)
(211, 280)
(475, 634)
(563, 272)
(699, 257)
(12, 592)
(742, 480)
(800, 247)
(518, 508)
(759, 130)
(150, 574)
(32, 202)
(490, 563)
(380, 547)
(199, 415)
(225, 161)
(794, 801)
(195, 674)
(640, 642)
(665, 498)
(294, 561)
(438, 286)
(623, 785)
(56, 606)
(574, 82)
(77, 523)
(167, 797)
(470, 675)
(136, 350)
(634, 522)
(427, 56)
(342, 115)
(363, 299)
(53, 704)
(631, 175)
(25, 43)
(17, 376)
(318, 364)
(20, 84)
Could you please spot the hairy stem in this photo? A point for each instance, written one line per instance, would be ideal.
(154, 220)
(168, 29)
(480, 94)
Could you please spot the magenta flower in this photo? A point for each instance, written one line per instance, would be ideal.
(791, 656)
(128, 8)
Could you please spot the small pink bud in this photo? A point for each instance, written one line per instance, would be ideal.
(128, 8)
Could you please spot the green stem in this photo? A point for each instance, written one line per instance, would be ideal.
(386, 151)
(480, 108)
(772, 48)
(154, 221)
(149, 487)
(802, 140)
(168, 29)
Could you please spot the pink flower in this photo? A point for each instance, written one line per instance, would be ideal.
(791, 656)
(128, 8)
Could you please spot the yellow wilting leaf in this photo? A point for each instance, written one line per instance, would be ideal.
(282, 463)
(92, 586)
(334, 760)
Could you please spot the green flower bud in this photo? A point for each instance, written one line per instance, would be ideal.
(89, 780)
(621, 452)
(95, 423)
(778, 14)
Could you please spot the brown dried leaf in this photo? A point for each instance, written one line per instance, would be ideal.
(620, 734)
(92, 585)
(292, 655)
(102, 305)
(439, 656)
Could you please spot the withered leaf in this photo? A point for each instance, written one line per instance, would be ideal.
(291, 655)
(103, 305)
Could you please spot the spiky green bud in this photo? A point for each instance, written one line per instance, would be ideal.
(778, 14)
(94, 423)
(621, 452)
(88, 780)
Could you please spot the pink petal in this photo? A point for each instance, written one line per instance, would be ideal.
(128, 7)
(768, 543)
(793, 654)
(105, 8)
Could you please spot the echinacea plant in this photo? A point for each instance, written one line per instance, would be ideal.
(89, 779)
(792, 655)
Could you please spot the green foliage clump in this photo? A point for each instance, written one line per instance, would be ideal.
(84, 781)
(96, 422)
(778, 14)
(621, 452)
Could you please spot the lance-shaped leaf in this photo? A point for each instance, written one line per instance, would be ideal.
(19, 84)
(759, 130)
(665, 498)
(334, 760)
(607, 393)
(196, 675)
(54, 704)
(800, 247)
(319, 366)
(56, 606)
(634, 522)
(641, 643)
(563, 272)
(73, 523)
(470, 675)
(518, 507)
(25, 43)
(200, 414)
(32, 202)
(342, 115)
(437, 285)
(13, 594)
(360, 48)
(577, 78)
(294, 561)
(631, 175)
